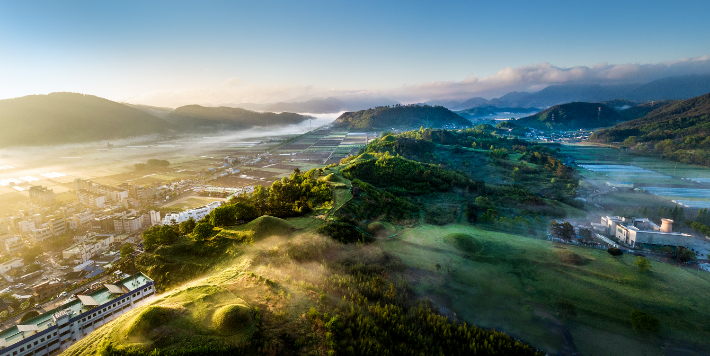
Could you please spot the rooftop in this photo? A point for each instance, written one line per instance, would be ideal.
(73, 308)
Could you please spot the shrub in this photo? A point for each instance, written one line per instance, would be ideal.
(202, 231)
(644, 322)
(643, 264)
(343, 232)
(29, 315)
(615, 251)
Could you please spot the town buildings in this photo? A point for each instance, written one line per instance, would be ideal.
(90, 245)
(55, 331)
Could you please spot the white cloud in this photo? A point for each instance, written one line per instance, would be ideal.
(524, 78)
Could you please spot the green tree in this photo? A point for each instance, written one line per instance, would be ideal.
(187, 226)
(126, 251)
(203, 231)
(30, 254)
(29, 315)
(614, 251)
(644, 322)
(643, 264)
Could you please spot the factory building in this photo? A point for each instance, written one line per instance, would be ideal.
(636, 232)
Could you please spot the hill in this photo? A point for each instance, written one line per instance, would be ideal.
(60, 118)
(572, 116)
(678, 131)
(160, 112)
(399, 116)
(641, 110)
(224, 118)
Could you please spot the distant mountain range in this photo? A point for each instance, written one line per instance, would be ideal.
(61, 118)
(671, 88)
(399, 117)
(320, 106)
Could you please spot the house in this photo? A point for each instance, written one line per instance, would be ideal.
(47, 289)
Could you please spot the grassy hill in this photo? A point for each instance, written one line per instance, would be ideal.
(572, 116)
(60, 118)
(678, 131)
(196, 117)
(641, 110)
(399, 116)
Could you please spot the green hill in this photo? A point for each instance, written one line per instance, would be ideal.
(60, 118)
(572, 116)
(200, 117)
(399, 116)
(679, 131)
(639, 111)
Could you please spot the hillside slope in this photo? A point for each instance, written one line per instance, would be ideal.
(399, 116)
(60, 118)
(679, 131)
(572, 116)
(196, 117)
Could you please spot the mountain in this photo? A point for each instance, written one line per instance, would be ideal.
(679, 131)
(639, 111)
(399, 116)
(683, 87)
(152, 110)
(224, 118)
(316, 106)
(669, 88)
(60, 118)
(572, 116)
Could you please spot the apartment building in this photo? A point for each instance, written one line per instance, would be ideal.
(112, 194)
(13, 263)
(91, 199)
(57, 224)
(42, 233)
(80, 220)
(14, 244)
(92, 244)
(127, 225)
(40, 195)
(55, 331)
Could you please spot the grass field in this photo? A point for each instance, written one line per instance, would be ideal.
(513, 283)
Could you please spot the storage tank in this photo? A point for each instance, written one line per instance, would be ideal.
(666, 225)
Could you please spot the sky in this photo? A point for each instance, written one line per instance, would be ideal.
(225, 52)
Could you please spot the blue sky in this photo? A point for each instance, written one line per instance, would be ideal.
(174, 53)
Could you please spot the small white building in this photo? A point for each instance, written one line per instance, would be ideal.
(14, 263)
(14, 244)
(91, 245)
(196, 213)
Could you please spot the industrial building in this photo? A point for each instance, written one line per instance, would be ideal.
(55, 331)
(636, 232)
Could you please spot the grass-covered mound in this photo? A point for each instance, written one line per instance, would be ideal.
(381, 229)
(570, 257)
(266, 226)
(464, 242)
(192, 320)
(365, 156)
(232, 318)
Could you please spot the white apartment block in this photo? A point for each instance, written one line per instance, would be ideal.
(88, 198)
(14, 244)
(128, 225)
(42, 233)
(56, 330)
(80, 220)
(92, 245)
(197, 213)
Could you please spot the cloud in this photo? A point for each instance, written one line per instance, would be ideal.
(532, 77)
(231, 82)
(538, 76)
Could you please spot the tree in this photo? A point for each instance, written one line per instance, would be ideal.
(643, 264)
(126, 250)
(159, 235)
(29, 315)
(614, 251)
(585, 234)
(223, 216)
(644, 322)
(30, 254)
(202, 231)
(684, 255)
(187, 226)
(563, 231)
